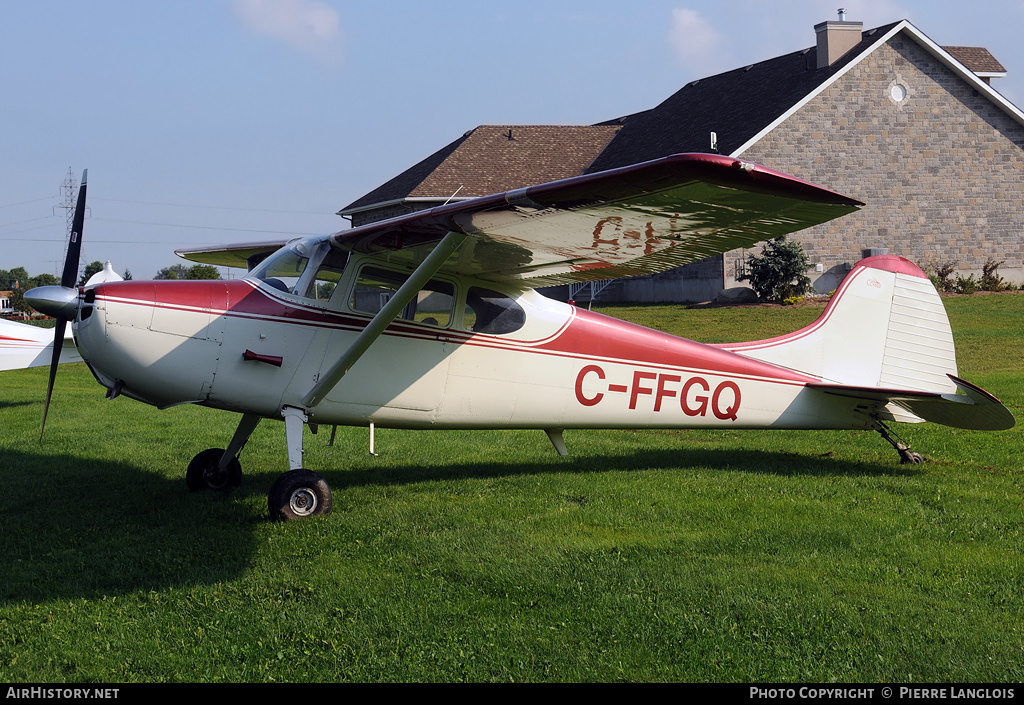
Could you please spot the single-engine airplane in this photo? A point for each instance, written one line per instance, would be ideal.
(430, 320)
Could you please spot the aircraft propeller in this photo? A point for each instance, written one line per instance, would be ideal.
(61, 302)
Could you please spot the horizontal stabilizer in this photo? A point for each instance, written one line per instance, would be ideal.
(971, 407)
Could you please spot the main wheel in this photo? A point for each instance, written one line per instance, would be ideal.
(202, 473)
(298, 494)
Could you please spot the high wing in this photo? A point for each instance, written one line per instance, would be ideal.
(244, 254)
(640, 219)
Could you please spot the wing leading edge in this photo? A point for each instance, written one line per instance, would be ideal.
(640, 219)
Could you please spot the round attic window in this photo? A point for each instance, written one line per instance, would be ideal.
(898, 92)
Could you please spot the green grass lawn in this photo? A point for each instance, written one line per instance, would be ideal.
(484, 556)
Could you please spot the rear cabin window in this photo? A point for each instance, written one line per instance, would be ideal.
(491, 312)
(433, 305)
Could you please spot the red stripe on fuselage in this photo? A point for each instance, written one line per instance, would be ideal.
(585, 335)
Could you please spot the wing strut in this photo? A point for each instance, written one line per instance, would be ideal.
(405, 294)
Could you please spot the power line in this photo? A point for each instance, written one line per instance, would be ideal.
(22, 203)
(204, 227)
(221, 208)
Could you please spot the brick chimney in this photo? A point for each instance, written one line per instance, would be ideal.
(835, 38)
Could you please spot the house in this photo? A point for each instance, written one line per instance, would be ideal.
(913, 129)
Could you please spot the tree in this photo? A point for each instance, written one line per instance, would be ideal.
(175, 271)
(196, 271)
(17, 301)
(90, 269)
(202, 271)
(14, 278)
(780, 272)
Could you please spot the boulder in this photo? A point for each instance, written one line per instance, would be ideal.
(736, 295)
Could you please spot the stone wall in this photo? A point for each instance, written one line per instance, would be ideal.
(941, 171)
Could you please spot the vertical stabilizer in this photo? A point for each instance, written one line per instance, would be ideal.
(885, 327)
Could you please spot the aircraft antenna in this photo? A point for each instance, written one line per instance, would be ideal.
(452, 196)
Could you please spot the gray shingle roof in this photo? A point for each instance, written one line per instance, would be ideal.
(496, 158)
(977, 59)
(736, 105)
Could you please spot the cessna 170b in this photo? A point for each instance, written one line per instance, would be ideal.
(430, 320)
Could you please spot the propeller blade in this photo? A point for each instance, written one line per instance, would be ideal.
(68, 280)
(58, 344)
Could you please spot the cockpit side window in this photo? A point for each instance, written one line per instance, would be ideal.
(310, 269)
(324, 281)
(375, 286)
(491, 312)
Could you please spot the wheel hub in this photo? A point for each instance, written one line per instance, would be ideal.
(303, 502)
(215, 479)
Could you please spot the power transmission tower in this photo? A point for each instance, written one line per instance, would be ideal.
(69, 187)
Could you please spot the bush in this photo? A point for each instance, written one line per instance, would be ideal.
(779, 272)
(942, 277)
(965, 286)
(990, 280)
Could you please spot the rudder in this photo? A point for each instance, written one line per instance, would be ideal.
(884, 327)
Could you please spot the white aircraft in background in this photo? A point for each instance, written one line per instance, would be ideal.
(23, 345)
(430, 320)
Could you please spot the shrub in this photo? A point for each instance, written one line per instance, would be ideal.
(942, 277)
(779, 272)
(965, 286)
(990, 280)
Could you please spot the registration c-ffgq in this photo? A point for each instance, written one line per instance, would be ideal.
(694, 396)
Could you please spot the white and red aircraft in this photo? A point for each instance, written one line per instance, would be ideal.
(430, 320)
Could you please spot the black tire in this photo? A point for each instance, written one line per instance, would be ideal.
(299, 494)
(202, 472)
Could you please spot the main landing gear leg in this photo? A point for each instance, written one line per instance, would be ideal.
(907, 456)
(298, 493)
(219, 469)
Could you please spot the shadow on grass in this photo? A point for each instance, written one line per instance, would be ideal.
(78, 528)
(81, 528)
(715, 460)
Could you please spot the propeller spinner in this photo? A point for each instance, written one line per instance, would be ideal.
(61, 302)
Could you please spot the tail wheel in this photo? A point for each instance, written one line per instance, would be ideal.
(298, 494)
(203, 474)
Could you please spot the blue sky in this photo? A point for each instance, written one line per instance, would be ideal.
(216, 121)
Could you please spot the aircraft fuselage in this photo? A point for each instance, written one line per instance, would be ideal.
(249, 347)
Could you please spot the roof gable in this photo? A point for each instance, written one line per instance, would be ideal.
(744, 105)
(740, 106)
(736, 105)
